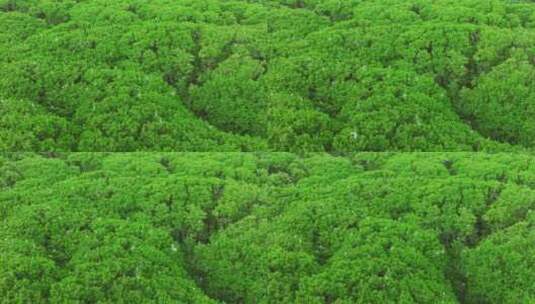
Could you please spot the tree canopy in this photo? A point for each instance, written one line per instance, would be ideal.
(267, 228)
(267, 75)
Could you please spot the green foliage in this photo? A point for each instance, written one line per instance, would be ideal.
(266, 228)
(231, 99)
(279, 75)
(43, 132)
(377, 263)
(502, 102)
(500, 268)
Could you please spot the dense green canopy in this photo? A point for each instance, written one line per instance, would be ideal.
(267, 228)
(251, 75)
